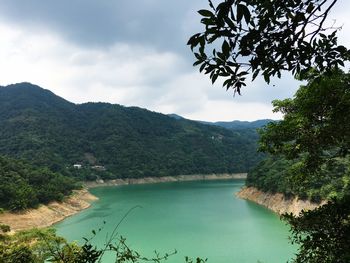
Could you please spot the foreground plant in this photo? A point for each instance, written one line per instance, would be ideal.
(40, 246)
(323, 235)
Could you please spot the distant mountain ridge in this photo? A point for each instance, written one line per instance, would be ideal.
(243, 124)
(232, 124)
(38, 126)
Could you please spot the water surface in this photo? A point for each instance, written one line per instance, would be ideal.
(202, 218)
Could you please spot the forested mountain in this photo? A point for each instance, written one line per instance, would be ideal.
(238, 125)
(233, 125)
(38, 126)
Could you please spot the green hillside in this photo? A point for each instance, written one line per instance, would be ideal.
(38, 126)
(241, 125)
(277, 174)
(23, 186)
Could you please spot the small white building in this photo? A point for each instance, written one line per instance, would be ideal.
(77, 166)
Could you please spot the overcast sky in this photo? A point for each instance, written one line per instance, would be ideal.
(130, 52)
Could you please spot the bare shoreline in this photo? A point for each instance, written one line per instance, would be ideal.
(164, 179)
(50, 214)
(277, 202)
(47, 215)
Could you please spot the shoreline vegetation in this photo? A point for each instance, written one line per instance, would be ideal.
(277, 202)
(54, 212)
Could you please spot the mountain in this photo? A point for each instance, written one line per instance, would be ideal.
(243, 124)
(240, 125)
(233, 125)
(176, 116)
(40, 127)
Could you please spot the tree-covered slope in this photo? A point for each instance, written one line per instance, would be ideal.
(277, 174)
(23, 185)
(241, 125)
(45, 129)
(310, 146)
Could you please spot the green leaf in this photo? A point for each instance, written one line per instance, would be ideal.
(202, 67)
(243, 11)
(255, 74)
(239, 12)
(197, 63)
(206, 13)
(214, 77)
(266, 77)
(226, 48)
(208, 21)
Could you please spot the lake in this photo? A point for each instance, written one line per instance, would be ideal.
(201, 218)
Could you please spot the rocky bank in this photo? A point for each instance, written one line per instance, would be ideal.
(276, 202)
(47, 215)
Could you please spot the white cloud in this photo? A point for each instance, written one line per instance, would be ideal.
(124, 74)
(233, 110)
(134, 68)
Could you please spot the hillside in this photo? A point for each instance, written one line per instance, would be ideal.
(237, 125)
(240, 125)
(276, 174)
(47, 130)
(232, 125)
(23, 186)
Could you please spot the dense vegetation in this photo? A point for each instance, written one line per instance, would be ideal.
(310, 145)
(310, 158)
(248, 38)
(243, 38)
(277, 174)
(48, 131)
(23, 186)
(241, 125)
(323, 234)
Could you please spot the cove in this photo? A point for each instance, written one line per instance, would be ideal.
(201, 218)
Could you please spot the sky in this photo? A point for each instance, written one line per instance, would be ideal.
(129, 52)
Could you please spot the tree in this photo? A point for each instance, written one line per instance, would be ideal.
(315, 131)
(316, 123)
(255, 37)
(323, 234)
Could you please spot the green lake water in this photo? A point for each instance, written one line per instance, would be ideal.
(202, 218)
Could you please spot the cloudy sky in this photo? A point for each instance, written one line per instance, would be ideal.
(130, 52)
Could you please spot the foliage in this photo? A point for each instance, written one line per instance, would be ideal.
(310, 145)
(23, 186)
(128, 141)
(265, 37)
(39, 246)
(316, 122)
(276, 174)
(311, 151)
(28, 246)
(323, 235)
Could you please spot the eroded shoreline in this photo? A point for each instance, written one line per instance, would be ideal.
(278, 203)
(164, 179)
(47, 215)
(50, 214)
